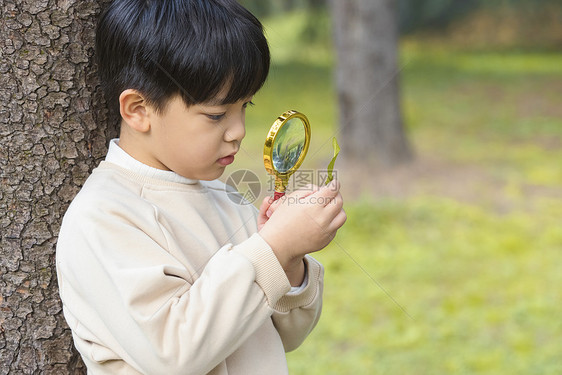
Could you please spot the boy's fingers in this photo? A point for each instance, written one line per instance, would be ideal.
(310, 187)
(298, 194)
(304, 192)
(265, 207)
(274, 205)
(265, 204)
(329, 191)
(339, 220)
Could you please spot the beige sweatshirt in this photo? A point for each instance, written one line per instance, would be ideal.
(162, 277)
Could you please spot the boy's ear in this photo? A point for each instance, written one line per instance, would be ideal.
(134, 111)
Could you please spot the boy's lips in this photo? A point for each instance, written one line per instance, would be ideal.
(226, 160)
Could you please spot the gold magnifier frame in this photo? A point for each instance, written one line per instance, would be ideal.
(282, 178)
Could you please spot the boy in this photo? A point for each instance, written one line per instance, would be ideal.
(159, 271)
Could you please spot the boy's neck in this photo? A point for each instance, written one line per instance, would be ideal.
(117, 155)
(134, 144)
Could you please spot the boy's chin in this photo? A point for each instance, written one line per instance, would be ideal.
(212, 175)
(209, 174)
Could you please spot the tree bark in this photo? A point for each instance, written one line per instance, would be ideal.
(367, 79)
(50, 139)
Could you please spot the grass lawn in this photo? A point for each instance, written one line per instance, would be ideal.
(451, 265)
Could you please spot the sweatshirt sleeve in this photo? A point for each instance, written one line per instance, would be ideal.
(125, 296)
(297, 314)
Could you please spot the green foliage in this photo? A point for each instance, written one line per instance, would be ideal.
(415, 14)
(271, 7)
(447, 288)
(300, 37)
(489, 20)
(429, 283)
(495, 110)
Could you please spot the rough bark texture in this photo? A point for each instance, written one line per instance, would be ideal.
(50, 139)
(366, 39)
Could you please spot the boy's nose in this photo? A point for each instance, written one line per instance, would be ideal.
(236, 131)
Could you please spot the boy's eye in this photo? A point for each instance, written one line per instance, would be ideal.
(216, 117)
(248, 103)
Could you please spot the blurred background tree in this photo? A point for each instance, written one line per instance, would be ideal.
(367, 74)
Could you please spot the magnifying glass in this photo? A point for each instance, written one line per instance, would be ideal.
(285, 147)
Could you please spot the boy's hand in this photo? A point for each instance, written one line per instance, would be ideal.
(301, 223)
(268, 206)
(266, 210)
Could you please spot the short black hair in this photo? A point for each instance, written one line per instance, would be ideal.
(194, 48)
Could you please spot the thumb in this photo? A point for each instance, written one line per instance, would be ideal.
(296, 195)
(329, 191)
(304, 192)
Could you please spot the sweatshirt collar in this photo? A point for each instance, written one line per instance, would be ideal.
(118, 156)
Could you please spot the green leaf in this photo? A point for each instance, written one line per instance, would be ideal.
(331, 165)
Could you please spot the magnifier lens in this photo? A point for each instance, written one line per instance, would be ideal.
(288, 145)
(285, 147)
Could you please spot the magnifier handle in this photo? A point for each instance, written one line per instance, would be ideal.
(277, 195)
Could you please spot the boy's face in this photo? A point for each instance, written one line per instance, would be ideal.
(198, 141)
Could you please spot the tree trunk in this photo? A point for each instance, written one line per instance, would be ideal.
(366, 40)
(50, 139)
